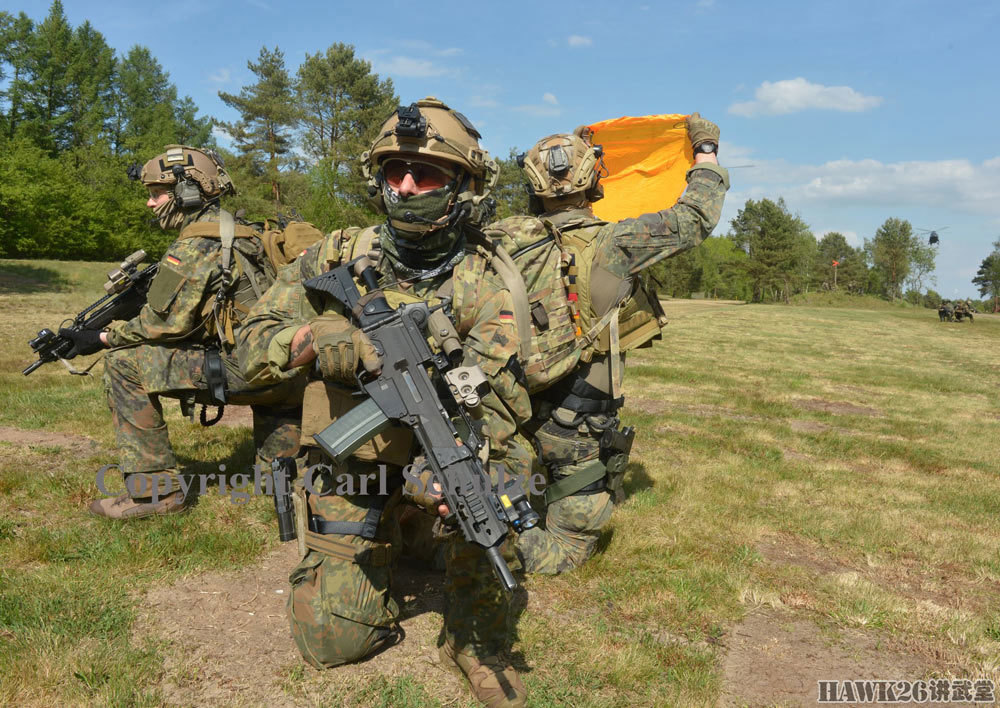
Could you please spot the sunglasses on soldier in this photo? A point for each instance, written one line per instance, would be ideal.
(426, 176)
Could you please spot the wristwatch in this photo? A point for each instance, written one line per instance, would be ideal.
(707, 147)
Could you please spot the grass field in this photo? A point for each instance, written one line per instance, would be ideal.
(812, 495)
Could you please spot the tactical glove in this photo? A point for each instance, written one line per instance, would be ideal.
(419, 488)
(701, 130)
(340, 346)
(85, 341)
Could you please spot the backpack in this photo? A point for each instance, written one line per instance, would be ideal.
(556, 265)
(249, 261)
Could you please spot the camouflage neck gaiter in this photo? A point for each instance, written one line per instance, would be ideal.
(416, 248)
(411, 261)
(169, 216)
(417, 216)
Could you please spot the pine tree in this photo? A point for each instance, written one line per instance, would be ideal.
(46, 97)
(343, 104)
(144, 105)
(267, 114)
(988, 276)
(16, 36)
(777, 245)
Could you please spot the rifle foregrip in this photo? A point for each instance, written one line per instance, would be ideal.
(350, 431)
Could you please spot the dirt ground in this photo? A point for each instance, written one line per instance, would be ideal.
(75, 444)
(229, 642)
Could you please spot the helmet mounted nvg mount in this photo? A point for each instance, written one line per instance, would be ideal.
(196, 177)
(563, 165)
(429, 128)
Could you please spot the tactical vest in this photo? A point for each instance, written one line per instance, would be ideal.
(354, 242)
(576, 311)
(326, 401)
(249, 261)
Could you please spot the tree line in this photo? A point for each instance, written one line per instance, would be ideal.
(74, 114)
(770, 255)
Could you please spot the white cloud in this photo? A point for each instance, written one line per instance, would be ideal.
(793, 95)
(576, 40)
(851, 237)
(222, 76)
(407, 66)
(943, 184)
(428, 48)
(543, 110)
(221, 136)
(483, 102)
(550, 99)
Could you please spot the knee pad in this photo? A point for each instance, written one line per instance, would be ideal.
(339, 611)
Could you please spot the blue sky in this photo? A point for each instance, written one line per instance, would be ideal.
(853, 111)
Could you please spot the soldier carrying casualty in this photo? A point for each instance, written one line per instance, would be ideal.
(179, 345)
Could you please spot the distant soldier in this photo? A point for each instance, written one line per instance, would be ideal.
(179, 345)
(963, 310)
(580, 334)
(944, 311)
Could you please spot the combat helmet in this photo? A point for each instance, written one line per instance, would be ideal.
(562, 165)
(430, 129)
(196, 175)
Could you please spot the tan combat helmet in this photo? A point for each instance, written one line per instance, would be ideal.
(564, 164)
(432, 129)
(186, 168)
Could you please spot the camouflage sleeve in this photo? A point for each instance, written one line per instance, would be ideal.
(492, 343)
(176, 297)
(264, 339)
(645, 240)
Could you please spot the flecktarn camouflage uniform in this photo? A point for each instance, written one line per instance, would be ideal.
(161, 353)
(340, 608)
(572, 417)
(163, 356)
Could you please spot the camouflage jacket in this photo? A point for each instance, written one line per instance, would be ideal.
(489, 335)
(601, 264)
(186, 282)
(632, 245)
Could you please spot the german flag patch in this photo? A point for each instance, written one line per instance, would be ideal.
(172, 260)
(506, 316)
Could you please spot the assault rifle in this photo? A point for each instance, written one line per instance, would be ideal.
(404, 393)
(126, 294)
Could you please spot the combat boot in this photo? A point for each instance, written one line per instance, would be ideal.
(494, 681)
(125, 507)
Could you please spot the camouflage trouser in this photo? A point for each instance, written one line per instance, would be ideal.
(136, 378)
(573, 523)
(340, 608)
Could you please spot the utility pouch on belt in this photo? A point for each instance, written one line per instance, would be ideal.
(325, 402)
